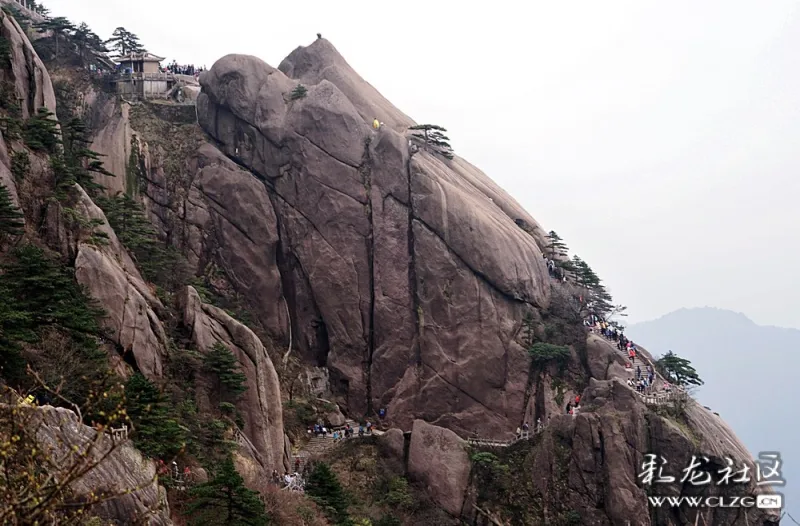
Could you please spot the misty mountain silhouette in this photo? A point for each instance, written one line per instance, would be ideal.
(750, 374)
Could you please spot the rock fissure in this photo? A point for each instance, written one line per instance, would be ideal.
(412, 271)
(366, 172)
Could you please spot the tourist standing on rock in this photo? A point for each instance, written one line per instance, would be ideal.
(638, 372)
(376, 123)
(519, 432)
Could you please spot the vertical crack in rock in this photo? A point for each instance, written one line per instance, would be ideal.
(412, 273)
(366, 173)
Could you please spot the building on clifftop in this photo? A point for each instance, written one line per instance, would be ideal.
(141, 75)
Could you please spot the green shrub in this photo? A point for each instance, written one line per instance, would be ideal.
(399, 495)
(40, 132)
(547, 352)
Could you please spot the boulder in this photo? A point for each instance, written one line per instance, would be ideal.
(438, 459)
(261, 402)
(393, 443)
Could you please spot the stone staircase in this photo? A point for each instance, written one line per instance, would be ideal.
(319, 445)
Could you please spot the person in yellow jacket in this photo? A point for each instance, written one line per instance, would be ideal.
(376, 123)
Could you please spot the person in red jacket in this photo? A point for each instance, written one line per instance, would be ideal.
(577, 399)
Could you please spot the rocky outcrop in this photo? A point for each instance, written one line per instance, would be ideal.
(27, 74)
(124, 471)
(590, 464)
(437, 459)
(261, 402)
(112, 140)
(110, 277)
(406, 276)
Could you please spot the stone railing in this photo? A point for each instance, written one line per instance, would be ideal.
(661, 398)
(138, 75)
(119, 434)
(488, 442)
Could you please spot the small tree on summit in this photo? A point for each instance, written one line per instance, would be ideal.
(678, 370)
(433, 136)
(124, 42)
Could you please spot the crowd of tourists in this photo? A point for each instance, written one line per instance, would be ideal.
(338, 434)
(183, 69)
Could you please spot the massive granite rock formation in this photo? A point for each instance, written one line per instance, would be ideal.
(261, 402)
(110, 277)
(407, 275)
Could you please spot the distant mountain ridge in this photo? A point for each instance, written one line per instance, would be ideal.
(750, 374)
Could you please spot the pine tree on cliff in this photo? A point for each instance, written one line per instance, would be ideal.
(224, 500)
(156, 431)
(58, 25)
(678, 370)
(221, 362)
(11, 222)
(123, 42)
(86, 39)
(324, 488)
(555, 245)
(433, 139)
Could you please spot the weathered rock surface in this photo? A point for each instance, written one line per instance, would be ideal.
(261, 402)
(122, 470)
(406, 276)
(393, 443)
(27, 74)
(110, 277)
(437, 458)
(112, 140)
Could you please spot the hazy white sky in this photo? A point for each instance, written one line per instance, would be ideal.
(660, 139)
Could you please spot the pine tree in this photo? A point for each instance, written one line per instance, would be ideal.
(159, 263)
(11, 218)
(58, 25)
(157, 432)
(299, 92)
(221, 362)
(41, 131)
(224, 500)
(87, 40)
(678, 370)
(555, 246)
(433, 138)
(123, 42)
(324, 488)
(40, 295)
(79, 160)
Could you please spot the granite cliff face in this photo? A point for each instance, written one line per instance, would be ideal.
(407, 275)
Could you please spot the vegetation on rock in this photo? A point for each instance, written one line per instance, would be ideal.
(433, 139)
(11, 221)
(123, 42)
(678, 370)
(156, 430)
(224, 500)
